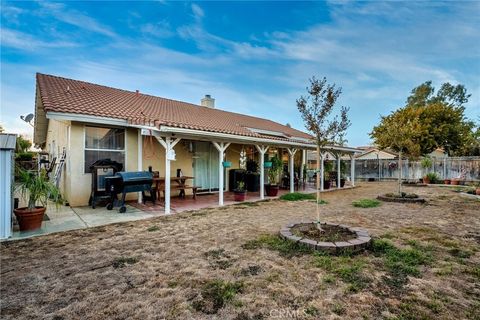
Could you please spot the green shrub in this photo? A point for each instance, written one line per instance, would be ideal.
(433, 177)
(296, 196)
(24, 156)
(426, 162)
(366, 203)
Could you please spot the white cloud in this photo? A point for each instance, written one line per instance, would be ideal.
(19, 40)
(75, 18)
(11, 13)
(198, 12)
(159, 29)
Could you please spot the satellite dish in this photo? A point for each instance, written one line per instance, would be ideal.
(28, 118)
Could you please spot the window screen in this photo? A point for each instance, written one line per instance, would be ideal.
(103, 143)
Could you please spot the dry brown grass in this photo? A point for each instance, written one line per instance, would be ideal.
(163, 267)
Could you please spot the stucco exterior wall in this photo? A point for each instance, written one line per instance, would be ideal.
(78, 186)
(57, 139)
(154, 155)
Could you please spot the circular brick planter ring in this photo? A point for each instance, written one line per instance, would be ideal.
(401, 200)
(353, 239)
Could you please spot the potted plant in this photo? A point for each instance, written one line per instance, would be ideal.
(240, 193)
(455, 182)
(432, 177)
(326, 183)
(477, 190)
(252, 177)
(327, 168)
(446, 181)
(342, 181)
(35, 189)
(343, 169)
(272, 187)
(426, 163)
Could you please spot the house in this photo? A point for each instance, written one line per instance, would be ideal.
(376, 154)
(438, 154)
(91, 122)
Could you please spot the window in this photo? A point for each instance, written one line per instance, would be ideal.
(104, 143)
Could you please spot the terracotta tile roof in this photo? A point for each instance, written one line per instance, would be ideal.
(72, 96)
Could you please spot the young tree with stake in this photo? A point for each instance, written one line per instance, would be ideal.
(399, 134)
(316, 109)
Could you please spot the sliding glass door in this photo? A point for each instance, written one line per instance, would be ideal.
(205, 166)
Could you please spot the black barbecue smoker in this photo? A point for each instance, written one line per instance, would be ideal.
(101, 169)
(125, 182)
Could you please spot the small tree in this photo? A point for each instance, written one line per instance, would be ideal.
(398, 134)
(316, 109)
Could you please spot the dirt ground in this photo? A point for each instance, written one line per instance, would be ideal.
(198, 265)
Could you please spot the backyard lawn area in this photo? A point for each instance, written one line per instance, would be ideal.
(229, 263)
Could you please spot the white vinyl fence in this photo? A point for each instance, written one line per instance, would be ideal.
(445, 168)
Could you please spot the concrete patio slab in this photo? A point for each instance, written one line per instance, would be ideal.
(101, 216)
(66, 218)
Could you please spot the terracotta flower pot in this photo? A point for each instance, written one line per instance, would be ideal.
(455, 182)
(426, 180)
(240, 195)
(477, 191)
(447, 181)
(272, 190)
(29, 219)
(326, 184)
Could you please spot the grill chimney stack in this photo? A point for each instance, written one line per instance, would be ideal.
(208, 102)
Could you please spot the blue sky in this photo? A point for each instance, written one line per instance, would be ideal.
(252, 57)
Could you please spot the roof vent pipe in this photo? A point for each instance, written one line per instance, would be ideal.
(208, 102)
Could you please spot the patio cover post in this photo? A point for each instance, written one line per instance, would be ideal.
(338, 171)
(139, 158)
(304, 156)
(261, 150)
(168, 144)
(221, 147)
(291, 153)
(352, 169)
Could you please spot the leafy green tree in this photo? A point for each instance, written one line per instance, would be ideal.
(23, 144)
(472, 148)
(399, 134)
(440, 116)
(316, 109)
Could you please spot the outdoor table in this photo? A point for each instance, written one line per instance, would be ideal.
(176, 183)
